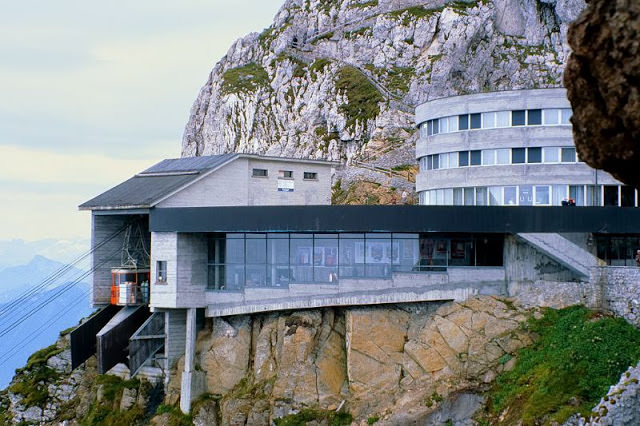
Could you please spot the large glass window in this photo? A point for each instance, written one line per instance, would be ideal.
(611, 195)
(502, 156)
(476, 157)
(301, 257)
(551, 116)
(542, 194)
(534, 117)
(351, 251)
(256, 259)
(495, 196)
(481, 196)
(518, 155)
(576, 192)
(510, 195)
(488, 120)
(278, 271)
(476, 121)
(628, 194)
(518, 118)
(488, 157)
(503, 119)
(325, 258)
(565, 116)
(568, 155)
(463, 122)
(551, 154)
(593, 195)
(534, 155)
(405, 253)
(469, 196)
(526, 195)
(378, 255)
(463, 158)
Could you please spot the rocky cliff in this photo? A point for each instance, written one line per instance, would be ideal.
(338, 79)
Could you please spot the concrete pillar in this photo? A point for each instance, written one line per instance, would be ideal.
(192, 384)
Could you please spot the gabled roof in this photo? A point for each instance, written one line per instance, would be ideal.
(157, 182)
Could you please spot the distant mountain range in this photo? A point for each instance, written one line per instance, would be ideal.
(37, 300)
(20, 252)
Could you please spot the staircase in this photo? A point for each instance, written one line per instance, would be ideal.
(563, 251)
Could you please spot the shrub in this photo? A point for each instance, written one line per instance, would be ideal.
(363, 96)
(247, 78)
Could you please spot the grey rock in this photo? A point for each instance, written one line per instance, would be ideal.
(129, 397)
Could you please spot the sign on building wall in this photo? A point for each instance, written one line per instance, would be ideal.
(285, 185)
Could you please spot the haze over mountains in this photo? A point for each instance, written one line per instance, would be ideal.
(37, 300)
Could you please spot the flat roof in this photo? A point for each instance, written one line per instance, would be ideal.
(397, 218)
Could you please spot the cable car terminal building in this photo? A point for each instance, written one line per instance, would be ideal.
(237, 234)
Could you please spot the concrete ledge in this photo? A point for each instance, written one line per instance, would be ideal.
(375, 297)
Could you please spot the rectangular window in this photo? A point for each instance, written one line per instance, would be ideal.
(424, 131)
(285, 174)
(551, 154)
(565, 115)
(468, 196)
(551, 116)
(457, 197)
(436, 127)
(310, 176)
(542, 195)
(476, 121)
(495, 195)
(518, 155)
(476, 157)
(430, 127)
(488, 120)
(510, 195)
(161, 271)
(503, 118)
(628, 194)
(559, 194)
(488, 157)
(568, 155)
(444, 125)
(429, 162)
(448, 196)
(453, 159)
(576, 192)
(444, 161)
(611, 195)
(453, 123)
(481, 196)
(502, 156)
(463, 158)
(534, 117)
(534, 155)
(593, 197)
(463, 122)
(518, 118)
(260, 173)
(436, 164)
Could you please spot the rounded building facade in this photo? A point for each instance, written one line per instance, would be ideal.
(507, 148)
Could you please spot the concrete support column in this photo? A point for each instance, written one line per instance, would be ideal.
(192, 384)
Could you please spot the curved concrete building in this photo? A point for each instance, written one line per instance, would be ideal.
(507, 148)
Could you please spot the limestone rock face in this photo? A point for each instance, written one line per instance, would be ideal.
(288, 91)
(384, 360)
(603, 83)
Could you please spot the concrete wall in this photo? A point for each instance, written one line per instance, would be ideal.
(106, 256)
(264, 190)
(175, 332)
(192, 270)
(234, 185)
(524, 264)
(164, 247)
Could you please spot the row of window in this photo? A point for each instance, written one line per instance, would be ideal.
(489, 157)
(532, 195)
(284, 174)
(497, 119)
(238, 260)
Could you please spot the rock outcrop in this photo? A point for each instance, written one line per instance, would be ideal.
(603, 83)
(394, 362)
(338, 79)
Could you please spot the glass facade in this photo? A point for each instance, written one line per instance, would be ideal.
(532, 195)
(238, 260)
(496, 119)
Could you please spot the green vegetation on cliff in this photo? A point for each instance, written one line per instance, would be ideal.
(578, 355)
(363, 96)
(247, 78)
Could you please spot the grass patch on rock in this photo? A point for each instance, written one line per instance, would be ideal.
(309, 415)
(578, 355)
(32, 382)
(363, 97)
(244, 79)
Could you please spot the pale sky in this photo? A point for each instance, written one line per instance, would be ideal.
(93, 92)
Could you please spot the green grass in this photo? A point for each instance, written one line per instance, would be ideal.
(32, 382)
(362, 95)
(413, 13)
(247, 78)
(577, 356)
(308, 415)
(105, 411)
(175, 416)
